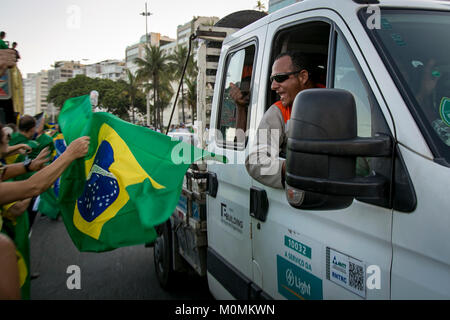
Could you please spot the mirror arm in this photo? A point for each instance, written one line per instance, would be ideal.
(378, 146)
(373, 187)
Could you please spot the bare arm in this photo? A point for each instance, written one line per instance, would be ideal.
(18, 148)
(9, 280)
(241, 106)
(241, 118)
(43, 179)
(16, 169)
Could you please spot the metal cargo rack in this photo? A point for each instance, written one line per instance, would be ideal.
(189, 222)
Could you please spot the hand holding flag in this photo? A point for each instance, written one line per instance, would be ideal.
(78, 148)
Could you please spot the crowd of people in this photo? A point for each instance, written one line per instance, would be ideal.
(26, 171)
(180, 128)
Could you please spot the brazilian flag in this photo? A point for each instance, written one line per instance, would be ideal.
(129, 182)
(60, 147)
(23, 254)
(48, 204)
(17, 229)
(18, 138)
(43, 140)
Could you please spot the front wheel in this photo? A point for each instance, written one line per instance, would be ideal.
(162, 256)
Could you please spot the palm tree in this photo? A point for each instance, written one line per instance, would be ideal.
(131, 90)
(178, 60)
(147, 88)
(260, 6)
(152, 68)
(191, 94)
(165, 96)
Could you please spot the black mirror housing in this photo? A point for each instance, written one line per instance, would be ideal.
(320, 115)
(322, 149)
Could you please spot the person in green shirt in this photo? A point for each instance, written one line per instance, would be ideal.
(43, 139)
(19, 190)
(27, 129)
(25, 134)
(3, 44)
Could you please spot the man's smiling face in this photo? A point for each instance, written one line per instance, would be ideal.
(288, 89)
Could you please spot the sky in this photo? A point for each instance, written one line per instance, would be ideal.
(90, 31)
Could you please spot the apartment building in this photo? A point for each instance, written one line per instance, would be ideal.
(36, 88)
(63, 71)
(107, 69)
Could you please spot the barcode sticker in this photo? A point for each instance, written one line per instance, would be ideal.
(356, 276)
(346, 272)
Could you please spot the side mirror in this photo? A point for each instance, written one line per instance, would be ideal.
(322, 149)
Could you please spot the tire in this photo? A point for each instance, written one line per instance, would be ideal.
(162, 257)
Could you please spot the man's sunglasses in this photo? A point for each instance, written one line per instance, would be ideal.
(282, 77)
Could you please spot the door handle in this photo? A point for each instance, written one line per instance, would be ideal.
(213, 184)
(259, 204)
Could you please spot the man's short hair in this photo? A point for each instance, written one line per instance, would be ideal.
(299, 60)
(26, 123)
(13, 126)
(2, 34)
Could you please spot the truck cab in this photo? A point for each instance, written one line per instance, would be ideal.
(364, 212)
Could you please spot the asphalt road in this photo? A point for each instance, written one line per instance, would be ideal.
(124, 274)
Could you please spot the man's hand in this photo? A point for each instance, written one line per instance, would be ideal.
(17, 209)
(24, 148)
(429, 82)
(41, 160)
(7, 60)
(237, 96)
(78, 148)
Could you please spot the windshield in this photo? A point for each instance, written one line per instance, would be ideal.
(416, 48)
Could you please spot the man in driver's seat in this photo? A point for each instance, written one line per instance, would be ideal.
(291, 73)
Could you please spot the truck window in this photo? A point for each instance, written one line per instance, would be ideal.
(233, 115)
(414, 46)
(308, 38)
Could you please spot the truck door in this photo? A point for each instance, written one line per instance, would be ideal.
(305, 254)
(229, 242)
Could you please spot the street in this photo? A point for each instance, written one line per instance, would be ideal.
(125, 273)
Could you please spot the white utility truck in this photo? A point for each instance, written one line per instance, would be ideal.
(365, 212)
